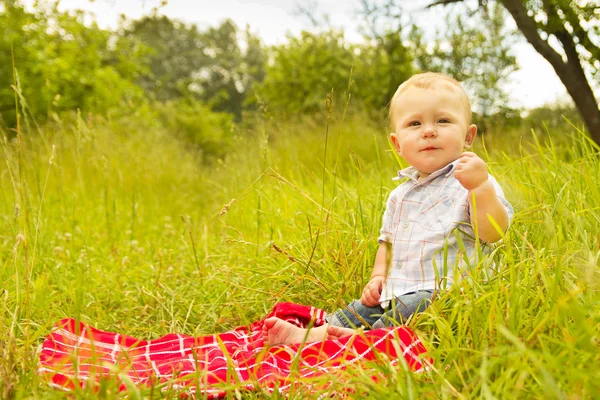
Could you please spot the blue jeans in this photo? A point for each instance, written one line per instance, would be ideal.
(357, 315)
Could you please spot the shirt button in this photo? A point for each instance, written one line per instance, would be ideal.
(406, 224)
(418, 189)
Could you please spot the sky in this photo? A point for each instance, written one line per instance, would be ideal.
(534, 84)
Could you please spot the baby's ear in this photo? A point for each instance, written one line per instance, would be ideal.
(395, 142)
(470, 138)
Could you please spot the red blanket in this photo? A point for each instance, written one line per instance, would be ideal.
(76, 354)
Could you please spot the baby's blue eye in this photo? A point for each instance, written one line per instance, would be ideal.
(444, 121)
(414, 123)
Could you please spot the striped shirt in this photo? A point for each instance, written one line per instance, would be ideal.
(425, 222)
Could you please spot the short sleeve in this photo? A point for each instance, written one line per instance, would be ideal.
(385, 233)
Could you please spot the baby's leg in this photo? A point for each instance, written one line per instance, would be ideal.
(405, 306)
(336, 332)
(277, 331)
(355, 315)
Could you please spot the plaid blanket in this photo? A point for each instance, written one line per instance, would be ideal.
(78, 355)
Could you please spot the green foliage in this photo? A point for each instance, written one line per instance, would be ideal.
(116, 223)
(219, 65)
(192, 122)
(383, 64)
(236, 63)
(62, 65)
(554, 114)
(502, 120)
(175, 51)
(302, 72)
(578, 19)
(59, 64)
(305, 70)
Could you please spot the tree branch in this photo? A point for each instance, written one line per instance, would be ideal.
(443, 3)
(528, 27)
(482, 3)
(580, 33)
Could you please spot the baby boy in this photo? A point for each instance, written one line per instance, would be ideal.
(432, 220)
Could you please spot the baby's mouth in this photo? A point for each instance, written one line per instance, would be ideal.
(429, 148)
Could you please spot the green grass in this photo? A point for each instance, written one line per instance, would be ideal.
(119, 225)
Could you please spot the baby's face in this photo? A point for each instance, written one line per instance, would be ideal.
(431, 127)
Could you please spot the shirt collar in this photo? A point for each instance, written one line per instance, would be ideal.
(412, 173)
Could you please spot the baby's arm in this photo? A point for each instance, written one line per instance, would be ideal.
(372, 291)
(472, 174)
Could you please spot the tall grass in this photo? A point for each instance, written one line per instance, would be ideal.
(119, 225)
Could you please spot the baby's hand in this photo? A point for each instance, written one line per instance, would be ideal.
(372, 292)
(471, 171)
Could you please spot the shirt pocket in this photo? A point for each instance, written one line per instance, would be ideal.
(437, 212)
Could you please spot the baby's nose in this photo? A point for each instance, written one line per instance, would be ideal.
(429, 132)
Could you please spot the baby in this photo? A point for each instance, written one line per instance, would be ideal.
(432, 220)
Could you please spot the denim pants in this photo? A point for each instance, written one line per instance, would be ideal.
(357, 315)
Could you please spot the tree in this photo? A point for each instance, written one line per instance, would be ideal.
(386, 59)
(235, 63)
(218, 65)
(175, 51)
(60, 64)
(304, 70)
(566, 33)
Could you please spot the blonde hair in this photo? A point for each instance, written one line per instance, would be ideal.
(430, 80)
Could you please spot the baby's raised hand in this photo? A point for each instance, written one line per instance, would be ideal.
(372, 291)
(471, 171)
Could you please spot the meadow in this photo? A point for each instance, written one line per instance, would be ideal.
(116, 223)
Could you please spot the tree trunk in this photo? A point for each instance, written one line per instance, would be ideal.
(570, 72)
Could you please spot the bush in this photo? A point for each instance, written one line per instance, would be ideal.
(207, 131)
